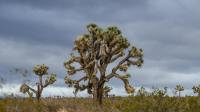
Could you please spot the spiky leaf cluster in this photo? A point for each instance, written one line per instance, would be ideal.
(196, 89)
(179, 88)
(129, 89)
(70, 82)
(51, 79)
(123, 67)
(24, 88)
(40, 70)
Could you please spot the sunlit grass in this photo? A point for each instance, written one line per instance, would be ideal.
(117, 104)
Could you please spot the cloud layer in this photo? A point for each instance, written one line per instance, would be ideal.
(36, 32)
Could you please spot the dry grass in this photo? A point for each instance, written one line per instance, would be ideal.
(118, 104)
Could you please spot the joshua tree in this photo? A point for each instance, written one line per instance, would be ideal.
(93, 53)
(160, 92)
(196, 89)
(178, 89)
(40, 71)
(142, 92)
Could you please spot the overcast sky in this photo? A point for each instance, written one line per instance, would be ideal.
(43, 31)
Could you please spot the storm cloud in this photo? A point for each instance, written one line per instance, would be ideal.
(43, 31)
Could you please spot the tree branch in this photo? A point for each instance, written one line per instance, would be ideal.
(33, 90)
(114, 70)
(132, 62)
(128, 87)
(83, 78)
(116, 57)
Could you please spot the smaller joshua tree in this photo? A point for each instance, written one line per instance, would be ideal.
(40, 71)
(196, 89)
(160, 92)
(178, 89)
(142, 92)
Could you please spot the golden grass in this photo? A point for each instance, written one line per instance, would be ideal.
(118, 104)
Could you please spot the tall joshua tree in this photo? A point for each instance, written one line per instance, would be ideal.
(93, 52)
(196, 89)
(40, 71)
(178, 89)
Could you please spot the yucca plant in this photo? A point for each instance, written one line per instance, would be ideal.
(93, 52)
(178, 89)
(196, 89)
(40, 71)
(160, 92)
(142, 92)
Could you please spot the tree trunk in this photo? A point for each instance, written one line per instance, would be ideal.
(40, 89)
(39, 92)
(94, 87)
(38, 97)
(100, 94)
(94, 93)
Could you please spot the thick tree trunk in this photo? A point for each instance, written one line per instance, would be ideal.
(95, 93)
(100, 94)
(38, 97)
(94, 87)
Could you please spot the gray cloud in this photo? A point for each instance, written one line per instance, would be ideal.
(35, 32)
